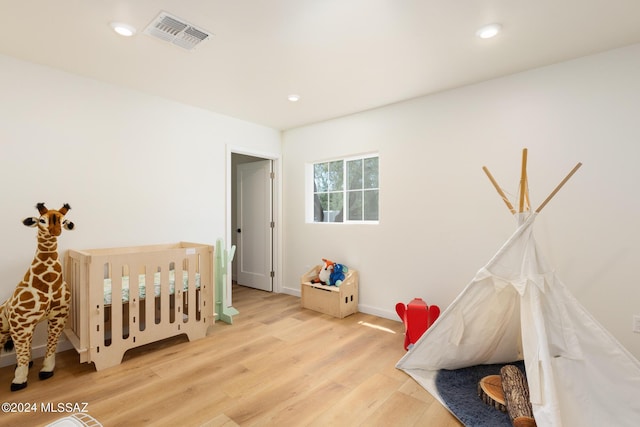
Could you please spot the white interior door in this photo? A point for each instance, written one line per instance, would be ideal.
(254, 225)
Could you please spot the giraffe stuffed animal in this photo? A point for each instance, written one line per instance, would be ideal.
(42, 294)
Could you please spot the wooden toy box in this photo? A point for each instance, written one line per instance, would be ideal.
(338, 301)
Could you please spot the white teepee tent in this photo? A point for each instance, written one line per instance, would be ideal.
(516, 308)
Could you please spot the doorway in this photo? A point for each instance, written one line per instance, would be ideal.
(252, 221)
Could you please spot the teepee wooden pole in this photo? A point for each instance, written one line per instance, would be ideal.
(499, 190)
(558, 187)
(523, 180)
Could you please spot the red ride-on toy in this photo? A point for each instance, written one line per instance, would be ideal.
(417, 318)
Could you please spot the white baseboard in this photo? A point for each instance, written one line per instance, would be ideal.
(386, 314)
(292, 291)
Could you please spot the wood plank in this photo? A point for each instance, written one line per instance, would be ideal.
(398, 410)
(278, 364)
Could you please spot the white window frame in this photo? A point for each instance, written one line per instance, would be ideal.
(310, 190)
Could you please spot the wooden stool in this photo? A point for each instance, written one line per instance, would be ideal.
(490, 391)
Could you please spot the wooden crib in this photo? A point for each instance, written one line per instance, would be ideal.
(110, 314)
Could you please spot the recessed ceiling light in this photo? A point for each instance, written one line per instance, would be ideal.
(488, 31)
(293, 97)
(123, 29)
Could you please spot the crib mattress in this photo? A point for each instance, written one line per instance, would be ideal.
(142, 291)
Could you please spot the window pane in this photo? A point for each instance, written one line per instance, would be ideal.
(354, 171)
(355, 205)
(335, 207)
(371, 172)
(320, 211)
(318, 207)
(321, 176)
(371, 205)
(336, 176)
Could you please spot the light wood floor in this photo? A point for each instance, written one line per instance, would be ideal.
(277, 365)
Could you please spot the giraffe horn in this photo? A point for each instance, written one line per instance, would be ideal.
(64, 209)
(41, 208)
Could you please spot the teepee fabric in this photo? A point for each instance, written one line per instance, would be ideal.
(516, 308)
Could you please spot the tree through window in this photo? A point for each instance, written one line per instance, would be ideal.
(346, 190)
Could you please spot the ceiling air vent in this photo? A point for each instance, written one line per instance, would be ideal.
(177, 31)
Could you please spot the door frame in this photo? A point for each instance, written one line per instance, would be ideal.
(277, 211)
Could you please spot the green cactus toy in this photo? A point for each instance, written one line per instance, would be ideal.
(223, 259)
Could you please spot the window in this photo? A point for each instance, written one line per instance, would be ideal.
(346, 190)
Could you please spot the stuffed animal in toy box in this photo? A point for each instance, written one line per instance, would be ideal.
(331, 273)
(338, 274)
(325, 272)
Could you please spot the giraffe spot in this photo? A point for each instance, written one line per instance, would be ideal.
(58, 293)
(25, 296)
(26, 301)
(39, 269)
(50, 277)
(41, 286)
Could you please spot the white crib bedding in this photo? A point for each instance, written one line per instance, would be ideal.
(142, 285)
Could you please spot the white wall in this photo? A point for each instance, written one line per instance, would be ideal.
(440, 218)
(135, 169)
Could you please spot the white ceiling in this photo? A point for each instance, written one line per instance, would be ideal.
(340, 56)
